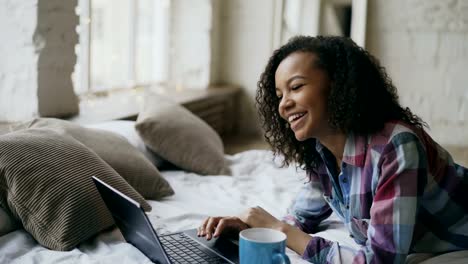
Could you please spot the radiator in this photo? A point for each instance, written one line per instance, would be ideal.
(217, 111)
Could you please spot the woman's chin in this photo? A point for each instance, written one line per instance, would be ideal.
(299, 136)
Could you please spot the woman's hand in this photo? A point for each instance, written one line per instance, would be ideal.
(215, 226)
(258, 217)
(253, 217)
(297, 240)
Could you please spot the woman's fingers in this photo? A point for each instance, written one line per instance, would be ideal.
(201, 229)
(215, 226)
(230, 224)
(210, 226)
(221, 225)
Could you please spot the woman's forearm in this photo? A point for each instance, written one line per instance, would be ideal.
(297, 240)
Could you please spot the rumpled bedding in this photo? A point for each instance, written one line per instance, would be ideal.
(257, 180)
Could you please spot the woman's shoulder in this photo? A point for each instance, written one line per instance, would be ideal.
(401, 136)
(393, 131)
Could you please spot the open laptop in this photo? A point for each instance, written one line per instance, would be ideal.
(182, 247)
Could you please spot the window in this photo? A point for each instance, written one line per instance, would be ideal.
(122, 44)
(318, 17)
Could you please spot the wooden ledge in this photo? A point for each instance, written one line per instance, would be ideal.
(126, 104)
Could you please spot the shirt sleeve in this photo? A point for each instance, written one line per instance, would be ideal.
(403, 176)
(309, 207)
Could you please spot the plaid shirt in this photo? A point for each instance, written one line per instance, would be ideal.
(398, 192)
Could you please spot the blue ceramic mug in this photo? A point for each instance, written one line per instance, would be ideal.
(262, 246)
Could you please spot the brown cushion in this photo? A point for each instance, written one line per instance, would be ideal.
(45, 183)
(180, 137)
(114, 149)
(7, 222)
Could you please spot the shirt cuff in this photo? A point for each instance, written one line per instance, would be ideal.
(317, 249)
(289, 219)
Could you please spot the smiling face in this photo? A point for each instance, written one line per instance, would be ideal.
(303, 90)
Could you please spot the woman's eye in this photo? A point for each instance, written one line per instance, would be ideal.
(279, 97)
(295, 87)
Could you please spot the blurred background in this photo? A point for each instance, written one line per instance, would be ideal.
(91, 60)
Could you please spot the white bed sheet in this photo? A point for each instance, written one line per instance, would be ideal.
(257, 181)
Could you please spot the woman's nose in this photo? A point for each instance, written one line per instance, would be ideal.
(285, 103)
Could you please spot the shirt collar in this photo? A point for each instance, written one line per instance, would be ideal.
(354, 151)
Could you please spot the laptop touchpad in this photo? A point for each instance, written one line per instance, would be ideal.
(229, 248)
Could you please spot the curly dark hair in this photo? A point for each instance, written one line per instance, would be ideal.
(362, 97)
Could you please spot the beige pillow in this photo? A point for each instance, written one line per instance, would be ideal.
(114, 149)
(45, 183)
(180, 137)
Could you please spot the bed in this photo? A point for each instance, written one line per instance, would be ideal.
(256, 180)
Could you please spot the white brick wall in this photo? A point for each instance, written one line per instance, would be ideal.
(424, 46)
(37, 58)
(55, 39)
(18, 63)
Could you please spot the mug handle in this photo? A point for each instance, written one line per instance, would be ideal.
(281, 258)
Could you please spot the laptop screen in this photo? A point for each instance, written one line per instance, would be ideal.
(132, 222)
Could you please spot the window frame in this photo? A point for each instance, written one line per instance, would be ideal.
(84, 60)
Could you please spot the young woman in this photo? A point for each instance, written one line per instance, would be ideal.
(328, 106)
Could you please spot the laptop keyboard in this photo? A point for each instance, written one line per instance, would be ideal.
(182, 249)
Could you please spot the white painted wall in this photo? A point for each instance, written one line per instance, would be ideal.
(422, 43)
(424, 46)
(245, 46)
(190, 43)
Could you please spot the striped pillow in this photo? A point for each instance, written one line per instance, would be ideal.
(116, 151)
(45, 183)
